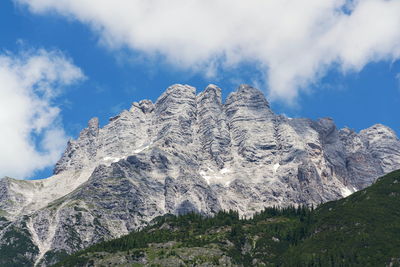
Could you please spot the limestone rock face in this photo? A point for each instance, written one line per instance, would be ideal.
(187, 152)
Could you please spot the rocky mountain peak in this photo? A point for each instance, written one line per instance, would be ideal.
(378, 131)
(247, 99)
(189, 153)
(178, 91)
(327, 129)
(212, 94)
(251, 95)
(212, 87)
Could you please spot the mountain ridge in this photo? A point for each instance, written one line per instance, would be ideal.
(189, 152)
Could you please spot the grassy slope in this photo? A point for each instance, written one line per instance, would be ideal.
(360, 230)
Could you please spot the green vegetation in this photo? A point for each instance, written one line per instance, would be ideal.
(18, 239)
(360, 230)
(3, 223)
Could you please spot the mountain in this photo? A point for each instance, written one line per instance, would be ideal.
(360, 230)
(185, 153)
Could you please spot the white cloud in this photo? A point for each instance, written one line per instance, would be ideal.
(292, 41)
(31, 136)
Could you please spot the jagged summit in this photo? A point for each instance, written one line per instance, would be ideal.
(186, 152)
(249, 95)
(378, 131)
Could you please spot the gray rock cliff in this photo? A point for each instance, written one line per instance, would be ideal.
(185, 153)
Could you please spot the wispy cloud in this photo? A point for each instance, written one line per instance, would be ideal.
(293, 42)
(32, 136)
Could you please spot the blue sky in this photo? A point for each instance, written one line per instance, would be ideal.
(117, 76)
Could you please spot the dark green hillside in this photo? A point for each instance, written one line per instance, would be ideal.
(360, 230)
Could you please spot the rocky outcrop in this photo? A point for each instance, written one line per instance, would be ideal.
(189, 153)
